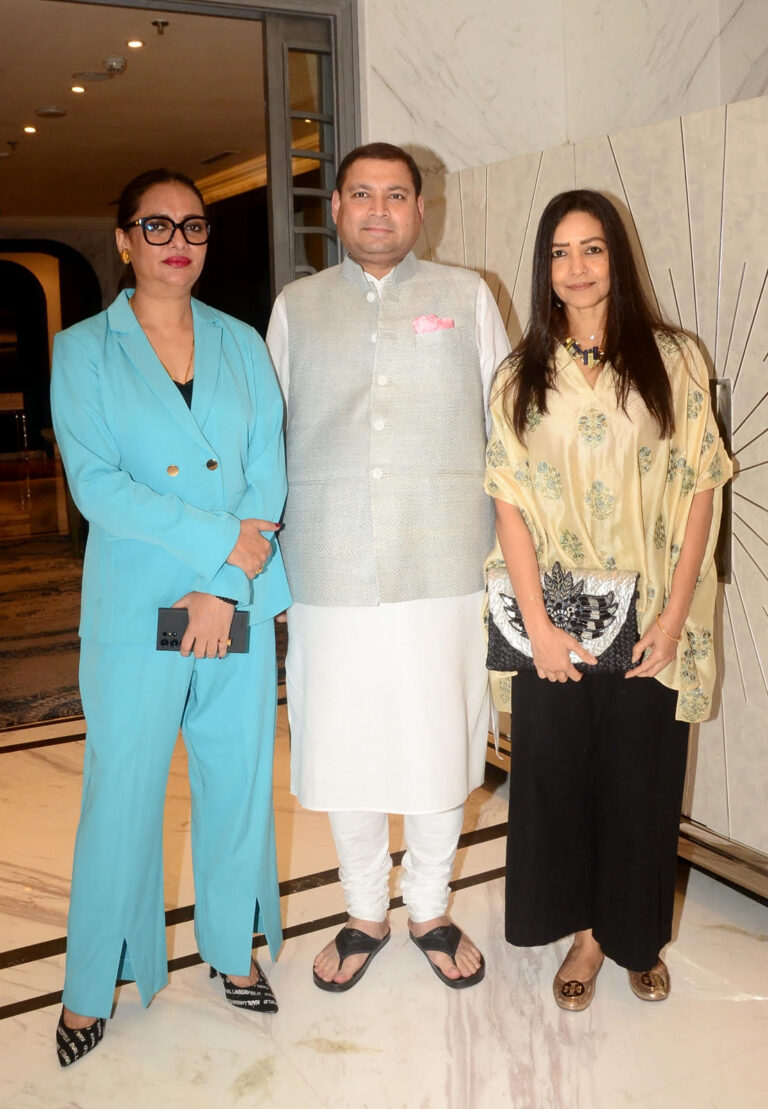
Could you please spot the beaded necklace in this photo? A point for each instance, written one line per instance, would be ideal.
(590, 356)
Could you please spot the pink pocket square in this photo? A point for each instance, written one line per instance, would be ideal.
(423, 324)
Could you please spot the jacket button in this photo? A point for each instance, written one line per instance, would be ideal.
(172, 470)
(212, 464)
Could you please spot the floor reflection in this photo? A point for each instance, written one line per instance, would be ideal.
(32, 497)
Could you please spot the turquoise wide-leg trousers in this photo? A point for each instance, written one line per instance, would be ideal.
(135, 700)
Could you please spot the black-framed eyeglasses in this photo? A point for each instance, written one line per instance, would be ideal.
(159, 230)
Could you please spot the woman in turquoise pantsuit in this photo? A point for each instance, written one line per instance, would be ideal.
(169, 420)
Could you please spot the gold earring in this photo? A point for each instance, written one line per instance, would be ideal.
(125, 255)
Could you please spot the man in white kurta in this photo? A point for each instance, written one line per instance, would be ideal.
(386, 364)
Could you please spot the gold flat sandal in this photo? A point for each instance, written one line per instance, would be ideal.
(650, 985)
(573, 994)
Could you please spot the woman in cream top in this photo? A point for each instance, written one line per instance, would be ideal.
(603, 454)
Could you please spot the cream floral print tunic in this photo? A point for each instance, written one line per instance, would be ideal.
(598, 488)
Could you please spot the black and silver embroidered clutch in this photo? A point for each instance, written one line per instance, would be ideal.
(597, 607)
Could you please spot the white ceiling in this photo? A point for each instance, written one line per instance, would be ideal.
(186, 95)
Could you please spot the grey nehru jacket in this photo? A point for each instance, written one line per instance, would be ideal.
(385, 438)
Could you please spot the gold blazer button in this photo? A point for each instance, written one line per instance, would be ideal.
(172, 470)
(212, 464)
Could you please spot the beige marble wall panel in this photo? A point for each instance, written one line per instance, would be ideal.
(731, 265)
(745, 703)
(650, 163)
(745, 257)
(433, 192)
(556, 173)
(511, 190)
(742, 349)
(443, 231)
(706, 787)
(473, 195)
(703, 137)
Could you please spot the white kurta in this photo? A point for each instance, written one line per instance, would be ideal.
(389, 704)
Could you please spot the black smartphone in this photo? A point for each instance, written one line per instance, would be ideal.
(172, 623)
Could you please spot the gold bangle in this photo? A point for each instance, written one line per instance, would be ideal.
(674, 638)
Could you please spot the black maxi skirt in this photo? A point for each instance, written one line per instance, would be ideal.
(596, 784)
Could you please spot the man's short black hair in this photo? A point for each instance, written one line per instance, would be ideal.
(383, 151)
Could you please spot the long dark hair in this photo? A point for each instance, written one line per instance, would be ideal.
(130, 202)
(629, 342)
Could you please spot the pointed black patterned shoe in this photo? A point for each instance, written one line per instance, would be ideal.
(258, 997)
(73, 1043)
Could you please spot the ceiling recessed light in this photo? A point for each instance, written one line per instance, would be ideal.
(135, 44)
(77, 88)
(31, 130)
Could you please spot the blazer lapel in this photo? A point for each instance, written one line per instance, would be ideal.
(139, 351)
(207, 360)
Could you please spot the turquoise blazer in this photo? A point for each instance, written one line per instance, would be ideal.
(162, 487)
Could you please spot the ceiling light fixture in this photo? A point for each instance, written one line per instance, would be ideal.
(7, 153)
(114, 65)
(161, 24)
(50, 111)
(134, 44)
(30, 130)
(77, 88)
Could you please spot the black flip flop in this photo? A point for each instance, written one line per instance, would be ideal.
(351, 941)
(446, 939)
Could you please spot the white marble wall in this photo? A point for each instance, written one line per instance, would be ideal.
(694, 193)
(743, 49)
(470, 82)
(632, 62)
(463, 83)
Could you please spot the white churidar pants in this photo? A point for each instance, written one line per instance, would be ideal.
(362, 844)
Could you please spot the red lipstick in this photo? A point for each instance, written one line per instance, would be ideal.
(177, 260)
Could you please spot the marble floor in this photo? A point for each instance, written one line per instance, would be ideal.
(400, 1038)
